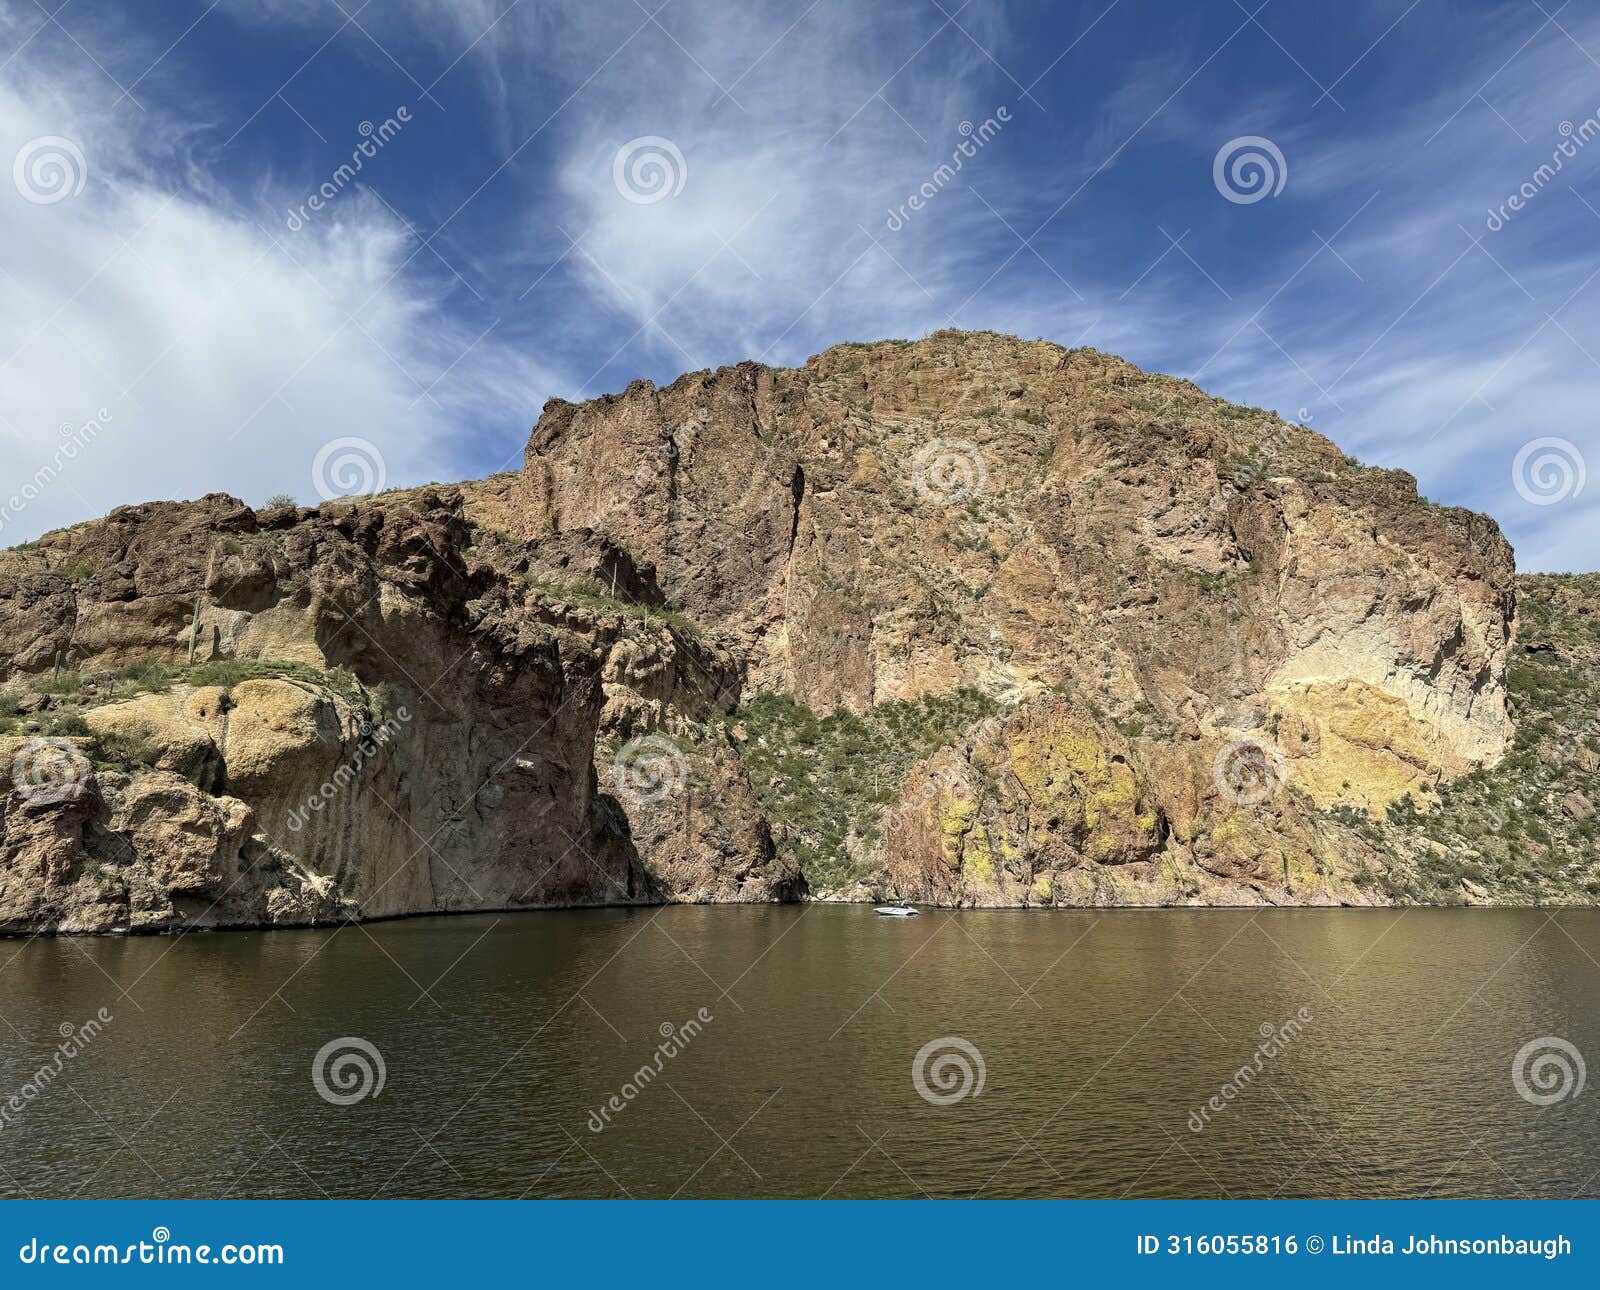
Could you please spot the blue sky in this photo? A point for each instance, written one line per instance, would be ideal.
(168, 282)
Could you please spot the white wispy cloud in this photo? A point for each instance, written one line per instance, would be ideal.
(223, 351)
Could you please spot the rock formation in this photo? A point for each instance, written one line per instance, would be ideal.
(1205, 646)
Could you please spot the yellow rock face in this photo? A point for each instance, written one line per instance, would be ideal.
(1349, 742)
(1045, 791)
(1067, 770)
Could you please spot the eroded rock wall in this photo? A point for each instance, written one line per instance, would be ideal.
(435, 745)
(1167, 598)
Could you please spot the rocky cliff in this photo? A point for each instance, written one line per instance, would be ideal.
(971, 620)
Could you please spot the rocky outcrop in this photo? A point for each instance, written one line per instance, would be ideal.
(900, 519)
(1210, 641)
(1021, 807)
(401, 727)
(903, 519)
(1052, 806)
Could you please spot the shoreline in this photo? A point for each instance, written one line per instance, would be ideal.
(10, 934)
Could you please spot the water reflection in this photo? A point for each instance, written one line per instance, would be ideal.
(1101, 1034)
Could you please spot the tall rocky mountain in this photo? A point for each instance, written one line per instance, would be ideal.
(970, 620)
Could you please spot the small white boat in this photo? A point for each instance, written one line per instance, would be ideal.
(897, 909)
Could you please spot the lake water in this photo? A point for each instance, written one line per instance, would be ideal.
(1101, 1035)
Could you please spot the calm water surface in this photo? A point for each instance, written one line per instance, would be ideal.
(1100, 1033)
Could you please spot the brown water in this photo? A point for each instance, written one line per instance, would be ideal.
(1100, 1032)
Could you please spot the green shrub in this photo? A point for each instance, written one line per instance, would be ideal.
(58, 683)
(65, 723)
(825, 780)
(122, 752)
(583, 594)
